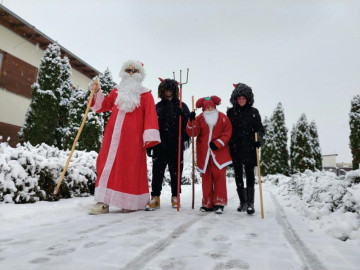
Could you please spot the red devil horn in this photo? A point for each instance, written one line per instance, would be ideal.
(234, 84)
(161, 80)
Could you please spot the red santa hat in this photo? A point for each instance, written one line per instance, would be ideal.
(208, 102)
(135, 64)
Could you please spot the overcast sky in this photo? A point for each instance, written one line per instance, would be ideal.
(302, 53)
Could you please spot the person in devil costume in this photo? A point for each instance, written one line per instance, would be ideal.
(166, 153)
(245, 120)
(213, 131)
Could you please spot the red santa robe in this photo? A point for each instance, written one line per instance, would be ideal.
(213, 170)
(121, 163)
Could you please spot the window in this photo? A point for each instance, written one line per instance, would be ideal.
(16, 75)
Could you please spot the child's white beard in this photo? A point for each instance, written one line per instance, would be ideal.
(211, 117)
(129, 91)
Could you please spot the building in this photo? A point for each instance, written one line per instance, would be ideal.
(21, 49)
(330, 164)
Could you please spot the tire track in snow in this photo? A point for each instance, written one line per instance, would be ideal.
(151, 252)
(309, 259)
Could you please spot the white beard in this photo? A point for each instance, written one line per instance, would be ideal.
(129, 91)
(211, 117)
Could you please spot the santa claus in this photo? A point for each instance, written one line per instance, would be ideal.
(213, 131)
(132, 127)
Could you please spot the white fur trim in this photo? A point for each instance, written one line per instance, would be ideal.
(115, 141)
(99, 98)
(151, 135)
(135, 64)
(217, 164)
(220, 141)
(120, 199)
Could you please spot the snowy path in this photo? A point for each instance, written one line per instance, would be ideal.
(60, 235)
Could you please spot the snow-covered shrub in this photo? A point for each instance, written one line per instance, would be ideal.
(30, 173)
(323, 196)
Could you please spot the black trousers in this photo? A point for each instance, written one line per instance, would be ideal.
(249, 173)
(160, 161)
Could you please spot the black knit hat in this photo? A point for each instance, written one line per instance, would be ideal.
(168, 84)
(242, 89)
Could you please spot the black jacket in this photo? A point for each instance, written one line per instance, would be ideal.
(168, 117)
(245, 122)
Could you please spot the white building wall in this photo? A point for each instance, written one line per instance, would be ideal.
(329, 161)
(13, 107)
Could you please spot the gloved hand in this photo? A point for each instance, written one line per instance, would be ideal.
(257, 144)
(192, 116)
(149, 152)
(213, 146)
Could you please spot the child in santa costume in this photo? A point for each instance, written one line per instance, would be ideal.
(213, 131)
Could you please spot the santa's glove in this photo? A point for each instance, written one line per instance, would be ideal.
(213, 146)
(257, 144)
(192, 116)
(149, 152)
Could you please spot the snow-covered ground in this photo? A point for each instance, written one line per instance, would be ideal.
(61, 235)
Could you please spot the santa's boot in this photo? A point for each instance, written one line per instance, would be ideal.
(243, 199)
(99, 208)
(250, 201)
(153, 204)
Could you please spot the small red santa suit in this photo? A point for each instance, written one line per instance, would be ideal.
(121, 163)
(212, 163)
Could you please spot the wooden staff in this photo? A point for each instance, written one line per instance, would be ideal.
(75, 141)
(259, 176)
(193, 155)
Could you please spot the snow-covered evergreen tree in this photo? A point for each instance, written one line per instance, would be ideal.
(91, 135)
(64, 94)
(274, 153)
(42, 119)
(292, 144)
(281, 155)
(315, 146)
(106, 85)
(302, 154)
(355, 131)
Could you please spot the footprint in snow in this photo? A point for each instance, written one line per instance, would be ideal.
(39, 260)
(4, 240)
(232, 264)
(61, 252)
(94, 244)
(171, 263)
(220, 238)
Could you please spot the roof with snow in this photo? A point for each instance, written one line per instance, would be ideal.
(29, 32)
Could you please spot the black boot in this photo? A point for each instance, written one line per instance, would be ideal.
(250, 201)
(243, 200)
